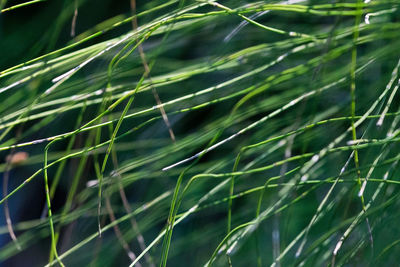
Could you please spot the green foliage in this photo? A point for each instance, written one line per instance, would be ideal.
(190, 133)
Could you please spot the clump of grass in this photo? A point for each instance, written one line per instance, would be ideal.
(200, 133)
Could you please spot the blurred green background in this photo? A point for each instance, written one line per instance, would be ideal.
(268, 90)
